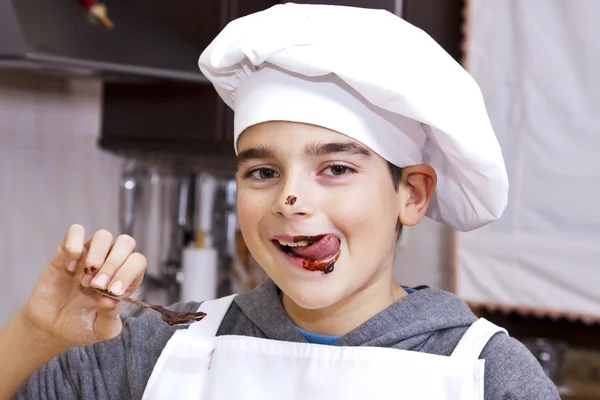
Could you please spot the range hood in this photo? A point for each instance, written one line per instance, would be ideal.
(57, 36)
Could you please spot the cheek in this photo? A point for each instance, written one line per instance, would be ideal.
(252, 210)
(367, 215)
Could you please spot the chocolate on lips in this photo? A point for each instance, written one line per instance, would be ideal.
(325, 264)
(320, 254)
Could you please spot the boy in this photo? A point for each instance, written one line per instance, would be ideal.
(342, 136)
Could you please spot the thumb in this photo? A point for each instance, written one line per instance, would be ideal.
(108, 323)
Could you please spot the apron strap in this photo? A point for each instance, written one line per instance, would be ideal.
(475, 338)
(215, 312)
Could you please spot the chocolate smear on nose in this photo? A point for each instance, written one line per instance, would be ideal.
(320, 254)
(290, 200)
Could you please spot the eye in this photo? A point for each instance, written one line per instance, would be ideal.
(262, 174)
(337, 170)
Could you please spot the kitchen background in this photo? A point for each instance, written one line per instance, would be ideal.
(115, 128)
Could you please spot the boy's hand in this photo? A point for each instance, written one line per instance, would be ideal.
(64, 304)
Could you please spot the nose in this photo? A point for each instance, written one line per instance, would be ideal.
(292, 200)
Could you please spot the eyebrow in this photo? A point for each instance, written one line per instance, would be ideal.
(319, 149)
(313, 149)
(255, 153)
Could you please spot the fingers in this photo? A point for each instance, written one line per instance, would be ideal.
(118, 265)
(107, 264)
(130, 272)
(99, 246)
(126, 279)
(72, 247)
(108, 324)
(104, 258)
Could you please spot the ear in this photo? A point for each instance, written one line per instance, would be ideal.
(416, 188)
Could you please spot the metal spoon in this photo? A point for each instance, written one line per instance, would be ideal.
(170, 317)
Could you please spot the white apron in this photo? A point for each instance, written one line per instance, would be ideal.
(197, 364)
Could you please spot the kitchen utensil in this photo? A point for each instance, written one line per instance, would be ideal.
(170, 317)
(155, 209)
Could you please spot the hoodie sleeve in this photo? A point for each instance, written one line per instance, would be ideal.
(114, 369)
(513, 373)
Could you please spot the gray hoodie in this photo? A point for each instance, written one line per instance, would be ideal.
(428, 320)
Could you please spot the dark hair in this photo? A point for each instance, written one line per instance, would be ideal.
(396, 175)
(396, 178)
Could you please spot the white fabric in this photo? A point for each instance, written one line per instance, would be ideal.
(271, 94)
(475, 338)
(392, 65)
(197, 365)
(538, 63)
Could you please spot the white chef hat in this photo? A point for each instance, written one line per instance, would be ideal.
(372, 76)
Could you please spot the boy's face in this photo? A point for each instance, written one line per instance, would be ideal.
(341, 188)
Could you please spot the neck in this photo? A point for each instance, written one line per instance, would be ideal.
(346, 315)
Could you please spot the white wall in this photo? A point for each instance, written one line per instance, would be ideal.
(424, 256)
(51, 175)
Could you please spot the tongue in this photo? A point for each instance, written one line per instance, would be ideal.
(325, 247)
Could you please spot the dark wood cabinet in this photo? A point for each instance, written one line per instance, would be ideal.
(441, 19)
(189, 121)
(171, 119)
(196, 21)
(391, 5)
(161, 117)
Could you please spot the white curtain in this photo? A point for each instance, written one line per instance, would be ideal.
(538, 64)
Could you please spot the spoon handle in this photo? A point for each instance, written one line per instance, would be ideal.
(170, 317)
(125, 298)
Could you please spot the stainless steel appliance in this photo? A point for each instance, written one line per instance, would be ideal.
(160, 208)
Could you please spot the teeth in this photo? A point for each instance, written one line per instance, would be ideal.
(292, 244)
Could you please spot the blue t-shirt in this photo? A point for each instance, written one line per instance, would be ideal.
(326, 339)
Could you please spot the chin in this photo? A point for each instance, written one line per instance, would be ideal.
(312, 294)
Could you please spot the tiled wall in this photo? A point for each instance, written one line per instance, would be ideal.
(51, 175)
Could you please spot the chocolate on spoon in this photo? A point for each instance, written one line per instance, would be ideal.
(170, 317)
